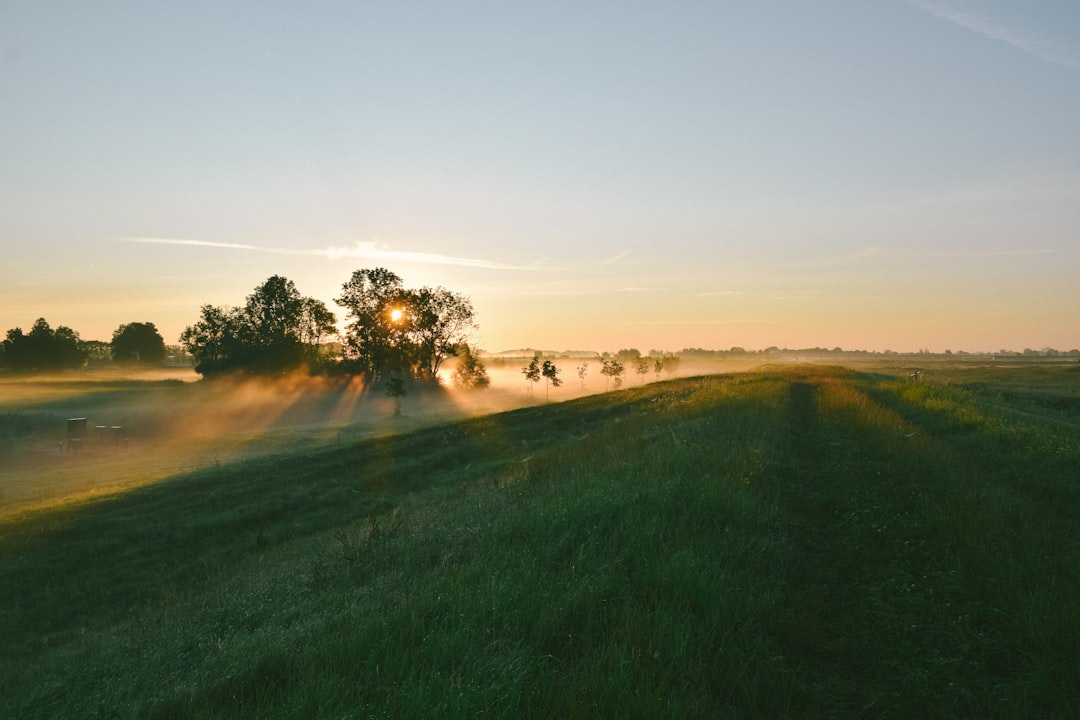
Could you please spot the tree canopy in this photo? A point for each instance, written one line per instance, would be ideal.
(138, 342)
(43, 348)
(276, 329)
(389, 329)
(395, 329)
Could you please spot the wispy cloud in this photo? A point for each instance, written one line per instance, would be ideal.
(376, 251)
(367, 250)
(614, 259)
(1034, 46)
(1002, 252)
(854, 257)
(829, 262)
(210, 244)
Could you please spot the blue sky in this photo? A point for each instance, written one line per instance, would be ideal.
(898, 175)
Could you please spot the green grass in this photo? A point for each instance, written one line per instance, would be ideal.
(798, 542)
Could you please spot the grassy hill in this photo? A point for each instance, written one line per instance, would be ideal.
(792, 542)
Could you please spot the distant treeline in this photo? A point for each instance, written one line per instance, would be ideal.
(840, 352)
(45, 349)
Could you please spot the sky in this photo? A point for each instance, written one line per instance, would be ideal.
(899, 175)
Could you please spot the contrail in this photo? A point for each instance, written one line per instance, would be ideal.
(1035, 47)
(372, 251)
(362, 249)
(208, 243)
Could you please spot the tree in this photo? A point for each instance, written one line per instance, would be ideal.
(551, 377)
(272, 324)
(440, 323)
(395, 329)
(43, 348)
(16, 350)
(214, 339)
(66, 348)
(532, 372)
(613, 369)
(375, 300)
(138, 342)
(277, 329)
(582, 371)
(470, 372)
(658, 366)
(316, 323)
(395, 388)
(642, 365)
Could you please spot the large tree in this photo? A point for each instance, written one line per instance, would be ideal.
(138, 342)
(441, 322)
(271, 325)
(214, 339)
(316, 324)
(375, 299)
(395, 329)
(276, 329)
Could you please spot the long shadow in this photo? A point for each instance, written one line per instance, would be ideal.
(181, 532)
(822, 577)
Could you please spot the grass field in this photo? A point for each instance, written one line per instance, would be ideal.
(792, 541)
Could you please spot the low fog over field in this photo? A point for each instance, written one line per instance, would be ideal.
(145, 427)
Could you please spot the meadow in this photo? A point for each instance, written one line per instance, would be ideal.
(791, 540)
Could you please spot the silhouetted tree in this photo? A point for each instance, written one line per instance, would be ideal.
(43, 348)
(393, 328)
(275, 330)
(440, 323)
(658, 366)
(214, 339)
(551, 377)
(15, 350)
(272, 322)
(470, 371)
(316, 324)
(138, 343)
(532, 372)
(642, 365)
(613, 369)
(395, 388)
(582, 371)
(378, 319)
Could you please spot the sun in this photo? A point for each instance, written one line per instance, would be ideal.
(396, 315)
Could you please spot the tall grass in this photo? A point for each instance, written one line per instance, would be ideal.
(795, 543)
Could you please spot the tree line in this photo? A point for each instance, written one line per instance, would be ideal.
(45, 348)
(391, 330)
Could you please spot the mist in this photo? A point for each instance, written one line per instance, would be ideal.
(148, 426)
